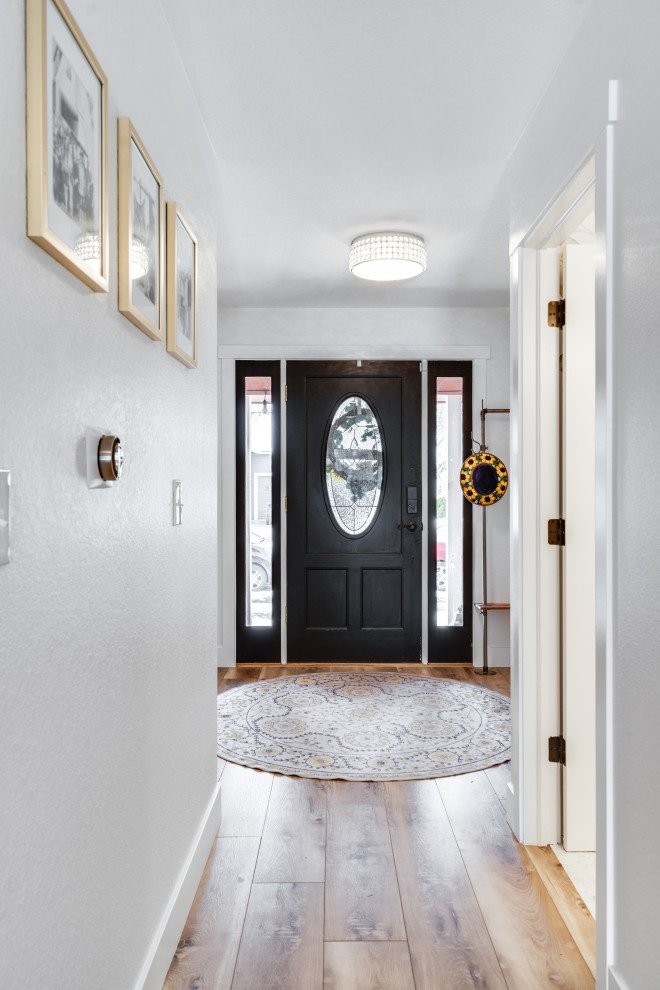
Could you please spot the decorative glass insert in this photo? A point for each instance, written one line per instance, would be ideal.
(354, 465)
(449, 501)
(258, 501)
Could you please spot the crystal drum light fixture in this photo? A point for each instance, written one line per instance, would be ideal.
(387, 257)
(88, 247)
(139, 259)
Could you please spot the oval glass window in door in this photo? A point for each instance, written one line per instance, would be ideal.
(354, 465)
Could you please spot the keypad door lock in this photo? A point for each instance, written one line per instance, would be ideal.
(411, 500)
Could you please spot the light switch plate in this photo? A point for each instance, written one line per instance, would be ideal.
(5, 527)
(177, 504)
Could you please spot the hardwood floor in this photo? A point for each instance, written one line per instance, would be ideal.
(403, 885)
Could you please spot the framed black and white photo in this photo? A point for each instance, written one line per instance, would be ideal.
(67, 156)
(181, 288)
(140, 249)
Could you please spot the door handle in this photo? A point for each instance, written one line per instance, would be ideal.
(412, 526)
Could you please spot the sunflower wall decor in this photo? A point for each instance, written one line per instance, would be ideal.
(484, 478)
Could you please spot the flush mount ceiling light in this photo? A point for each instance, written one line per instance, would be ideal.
(389, 256)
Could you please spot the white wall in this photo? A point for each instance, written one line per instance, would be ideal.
(619, 41)
(108, 621)
(386, 333)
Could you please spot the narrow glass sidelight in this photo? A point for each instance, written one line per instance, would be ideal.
(354, 465)
(449, 502)
(258, 501)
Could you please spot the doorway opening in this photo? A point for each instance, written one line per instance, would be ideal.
(553, 798)
(354, 511)
(373, 503)
(576, 563)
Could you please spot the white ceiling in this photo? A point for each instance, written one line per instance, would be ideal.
(332, 118)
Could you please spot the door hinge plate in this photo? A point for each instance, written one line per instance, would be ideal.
(286, 613)
(557, 532)
(286, 503)
(557, 750)
(557, 313)
(286, 393)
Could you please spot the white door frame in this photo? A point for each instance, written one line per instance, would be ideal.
(228, 355)
(533, 805)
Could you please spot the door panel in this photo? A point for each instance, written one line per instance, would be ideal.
(353, 595)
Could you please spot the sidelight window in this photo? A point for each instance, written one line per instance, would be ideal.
(449, 502)
(258, 500)
(450, 517)
(257, 510)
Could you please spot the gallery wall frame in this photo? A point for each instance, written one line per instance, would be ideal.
(67, 143)
(141, 224)
(181, 288)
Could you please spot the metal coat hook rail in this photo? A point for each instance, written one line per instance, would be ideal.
(484, 607)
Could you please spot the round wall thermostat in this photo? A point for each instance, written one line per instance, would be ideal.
(110, 458)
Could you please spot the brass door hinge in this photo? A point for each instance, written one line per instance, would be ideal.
(286, 503)
(557, 313)
(286, 613)
(557, 750)
(286, 393)
(557, 532)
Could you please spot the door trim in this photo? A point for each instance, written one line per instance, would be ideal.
(228, 354)
(535, 799)
(525, 795)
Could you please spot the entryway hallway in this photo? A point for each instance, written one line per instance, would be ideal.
(405, 885)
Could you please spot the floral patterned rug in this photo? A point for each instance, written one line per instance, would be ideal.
(363, 726)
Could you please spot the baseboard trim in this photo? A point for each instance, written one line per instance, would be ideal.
(615, 981)
(572, 909)
(163, 947)
(226, 657)
(498, 656)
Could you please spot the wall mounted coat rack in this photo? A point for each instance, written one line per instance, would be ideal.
(484, 480)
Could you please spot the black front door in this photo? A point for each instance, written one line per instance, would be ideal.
(354, 510)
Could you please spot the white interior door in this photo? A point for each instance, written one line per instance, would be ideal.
(579, 777)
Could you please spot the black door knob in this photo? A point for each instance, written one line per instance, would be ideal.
(412, 526)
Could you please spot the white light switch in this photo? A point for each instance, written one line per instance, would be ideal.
(5, 486)
(177, 504)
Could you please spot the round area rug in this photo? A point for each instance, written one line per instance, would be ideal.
(363, 726)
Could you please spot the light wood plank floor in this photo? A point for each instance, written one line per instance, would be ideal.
(405, 885)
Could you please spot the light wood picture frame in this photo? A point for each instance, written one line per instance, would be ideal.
(67, 143)
(181, 288)
(141, 223)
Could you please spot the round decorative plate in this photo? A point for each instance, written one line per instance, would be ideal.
(363, 726)
(484, 478)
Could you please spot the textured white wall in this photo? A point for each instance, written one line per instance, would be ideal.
(619, 41)
(108, 621)
(424, 329)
